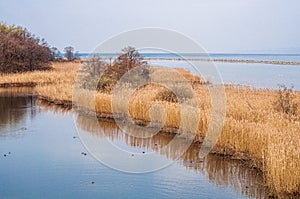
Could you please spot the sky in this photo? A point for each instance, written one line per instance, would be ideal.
(219, 26)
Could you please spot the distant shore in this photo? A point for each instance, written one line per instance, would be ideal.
(230, 61)
(207, 58)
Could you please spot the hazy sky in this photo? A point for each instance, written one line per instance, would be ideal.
(218, 25)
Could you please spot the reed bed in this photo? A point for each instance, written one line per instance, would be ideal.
(62, 72)
(55, 86)
(253, 129)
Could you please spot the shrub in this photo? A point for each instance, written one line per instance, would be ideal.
(107, 82)
(128, 60)
(167, 95)
(181, 93)
(21, 51)
(91, 72)
(285, 101)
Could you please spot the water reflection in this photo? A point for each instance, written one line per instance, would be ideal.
(17, 106)
(220, 171)
(53, 108)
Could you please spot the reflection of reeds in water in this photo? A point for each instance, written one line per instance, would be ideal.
(14, 104)
(16, 91)
(221, 171)
(53, 108)
(227, 172)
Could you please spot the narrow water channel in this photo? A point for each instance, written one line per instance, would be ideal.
(41, 156)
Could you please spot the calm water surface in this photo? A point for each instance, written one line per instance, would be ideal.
(257, 75)
(41, 157)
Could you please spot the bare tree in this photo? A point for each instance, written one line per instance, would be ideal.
(129, 59)
(55, 52)
(69, 50)
(92, 71)
(77, 55)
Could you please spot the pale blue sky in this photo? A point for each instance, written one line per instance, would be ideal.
(218, 25)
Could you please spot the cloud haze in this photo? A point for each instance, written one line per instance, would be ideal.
(218, 25)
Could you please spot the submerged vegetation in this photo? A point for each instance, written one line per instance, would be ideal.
(256, 128)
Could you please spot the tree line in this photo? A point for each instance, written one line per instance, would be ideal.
(22, 51)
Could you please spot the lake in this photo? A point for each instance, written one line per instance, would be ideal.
(259, 75)
(41, 156)
(255, 74)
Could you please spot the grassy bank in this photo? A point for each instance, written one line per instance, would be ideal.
(253, 129)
